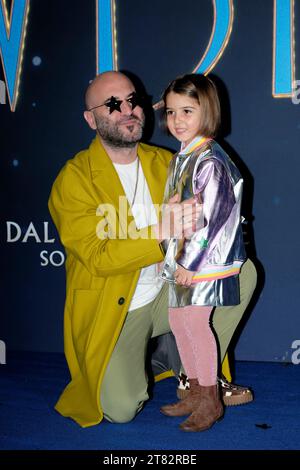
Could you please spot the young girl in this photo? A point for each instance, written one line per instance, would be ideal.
(203, 269)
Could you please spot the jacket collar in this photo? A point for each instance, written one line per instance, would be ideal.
(194, 145)
(105, 176)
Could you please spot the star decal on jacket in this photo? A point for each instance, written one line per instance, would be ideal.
(203, 243)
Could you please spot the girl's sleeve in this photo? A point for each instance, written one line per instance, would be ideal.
(214, 189)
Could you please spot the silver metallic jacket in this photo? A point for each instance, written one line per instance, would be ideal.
(216, 249)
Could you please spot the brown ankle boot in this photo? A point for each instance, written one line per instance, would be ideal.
(187, 405)
(208, 411)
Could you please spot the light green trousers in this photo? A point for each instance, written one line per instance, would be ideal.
(124, 388)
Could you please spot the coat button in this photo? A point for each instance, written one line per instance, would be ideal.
(121, 300)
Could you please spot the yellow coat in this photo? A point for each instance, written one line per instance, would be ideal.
(101, 274)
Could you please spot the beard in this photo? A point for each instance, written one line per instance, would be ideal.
(113, 134)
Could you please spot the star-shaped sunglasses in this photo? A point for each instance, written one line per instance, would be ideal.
(113, 104)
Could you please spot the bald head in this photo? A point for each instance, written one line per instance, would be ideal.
(104, 86)
(120, 124)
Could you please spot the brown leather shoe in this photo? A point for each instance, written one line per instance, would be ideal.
(209, 410)
(187, 405)
(232, 394)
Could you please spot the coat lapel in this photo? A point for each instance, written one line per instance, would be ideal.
(107, 180)
(108, 184)
(104, 175)
(155, 173)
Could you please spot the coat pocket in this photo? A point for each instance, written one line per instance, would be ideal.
(86, 305)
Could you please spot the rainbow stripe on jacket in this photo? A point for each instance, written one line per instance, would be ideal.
(217, 272)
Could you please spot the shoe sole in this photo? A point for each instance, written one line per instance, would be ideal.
(233, 400)
(182, 428)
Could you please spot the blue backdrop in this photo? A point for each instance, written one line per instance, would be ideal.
(156, 41)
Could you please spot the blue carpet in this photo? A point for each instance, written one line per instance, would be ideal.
(31, 383)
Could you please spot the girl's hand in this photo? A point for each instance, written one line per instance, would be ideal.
(183, 276)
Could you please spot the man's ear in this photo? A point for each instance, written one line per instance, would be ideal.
(90, 119)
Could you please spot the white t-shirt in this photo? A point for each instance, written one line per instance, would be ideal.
(144, 214)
